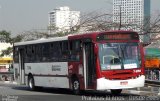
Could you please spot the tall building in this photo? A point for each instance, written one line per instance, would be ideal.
(63, 19)
(132, 14)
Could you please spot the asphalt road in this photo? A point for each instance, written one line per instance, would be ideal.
(12, 92)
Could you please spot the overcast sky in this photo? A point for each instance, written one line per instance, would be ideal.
(17, 16)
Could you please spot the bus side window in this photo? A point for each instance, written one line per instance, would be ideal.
(16, 57)
(45, 53)
(38, 54)
(55, 51)
(75, 49)
(33, 54)
(65, 51)
(25, 54)
(28, 56)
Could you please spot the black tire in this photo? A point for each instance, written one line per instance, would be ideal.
(31, 83)
(116, 91)
(75, 86)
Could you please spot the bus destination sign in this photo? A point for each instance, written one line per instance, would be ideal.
(117, 36)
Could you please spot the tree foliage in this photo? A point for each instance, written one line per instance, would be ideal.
(6, 52)
(5, 36)
(150, 28)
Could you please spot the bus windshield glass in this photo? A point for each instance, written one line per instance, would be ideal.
(119, 56)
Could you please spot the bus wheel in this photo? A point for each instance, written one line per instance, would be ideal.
(31, 83)
(116, 91)
(75, 86)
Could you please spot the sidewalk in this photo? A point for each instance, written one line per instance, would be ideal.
(8, 82)
(146, 91)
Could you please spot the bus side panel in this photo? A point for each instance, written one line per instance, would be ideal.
(51, 74)
(57, 82)
(76, 69)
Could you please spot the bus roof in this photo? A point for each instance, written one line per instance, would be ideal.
(94, 34)
(72, 36)
(41, 41)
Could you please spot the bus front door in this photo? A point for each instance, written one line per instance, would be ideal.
(89, 66)
(21, 66)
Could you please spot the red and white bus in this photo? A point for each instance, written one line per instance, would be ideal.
(92, 61)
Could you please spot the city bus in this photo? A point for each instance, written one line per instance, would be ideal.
(109, 60)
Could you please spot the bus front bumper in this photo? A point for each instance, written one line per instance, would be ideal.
(104, 84)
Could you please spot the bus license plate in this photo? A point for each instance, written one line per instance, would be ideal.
(124, 83)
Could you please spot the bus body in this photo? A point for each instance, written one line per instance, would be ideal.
(93, 61)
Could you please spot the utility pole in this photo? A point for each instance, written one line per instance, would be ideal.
(120, 18)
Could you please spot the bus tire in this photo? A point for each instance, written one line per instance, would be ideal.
(116, 91)
(31, 83)
(75, 86)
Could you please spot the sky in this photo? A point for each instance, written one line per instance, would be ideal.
(17, 16)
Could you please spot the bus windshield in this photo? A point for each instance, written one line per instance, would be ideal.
(119, 56)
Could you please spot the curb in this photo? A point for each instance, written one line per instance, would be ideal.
(9, 82)
(144, 93)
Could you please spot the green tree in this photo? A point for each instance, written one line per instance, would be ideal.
(7, 51)
(17, 38)
(5, 36)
